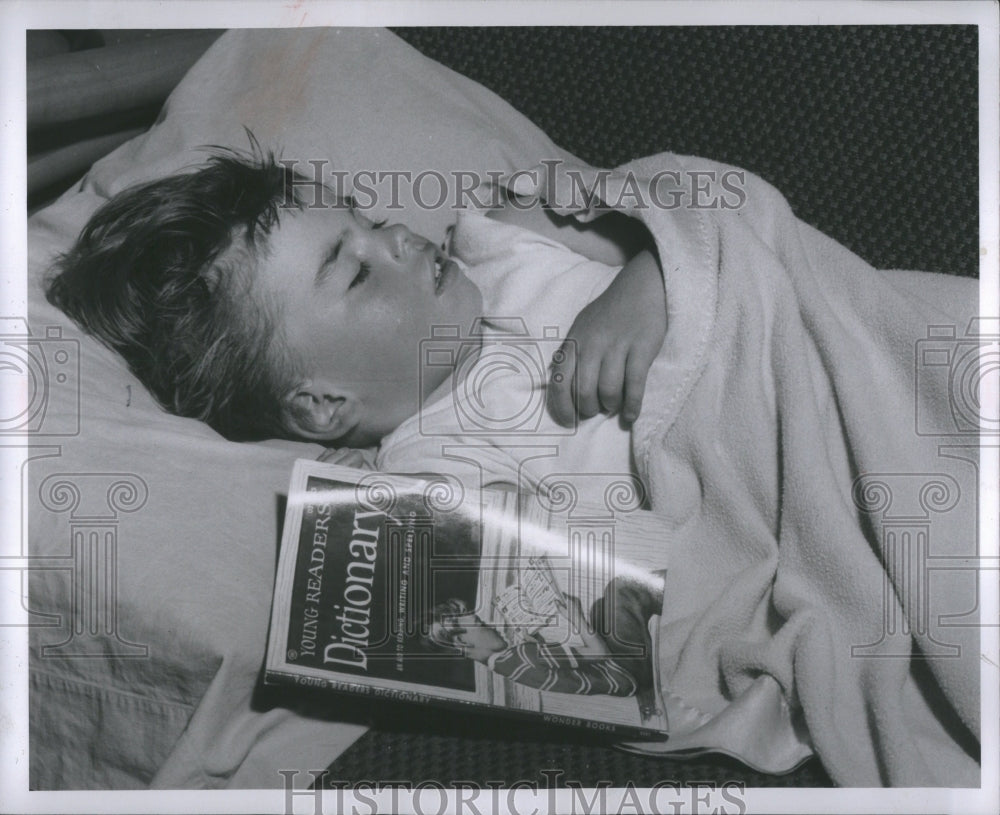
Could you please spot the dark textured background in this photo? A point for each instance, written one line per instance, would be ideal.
(871, 133)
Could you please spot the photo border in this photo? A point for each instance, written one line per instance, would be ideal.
(17, 17)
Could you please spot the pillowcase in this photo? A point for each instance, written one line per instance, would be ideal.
(361, 102)
(194, 558)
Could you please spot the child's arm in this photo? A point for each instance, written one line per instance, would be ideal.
(615, 339)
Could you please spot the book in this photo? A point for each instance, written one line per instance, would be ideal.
(417, 588)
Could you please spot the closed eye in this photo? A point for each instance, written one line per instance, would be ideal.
(361, 276)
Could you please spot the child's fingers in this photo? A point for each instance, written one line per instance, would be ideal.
(609, 386)
(588, 370)
(561, 381)
(636, 370)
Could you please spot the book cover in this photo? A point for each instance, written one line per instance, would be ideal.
(416, 588)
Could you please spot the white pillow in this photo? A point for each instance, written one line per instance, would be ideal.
(195, 562)
(361, 99)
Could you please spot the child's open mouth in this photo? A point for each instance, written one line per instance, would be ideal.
(444, 267)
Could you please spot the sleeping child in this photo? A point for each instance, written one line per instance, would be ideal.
(787, 389)
(237, 304)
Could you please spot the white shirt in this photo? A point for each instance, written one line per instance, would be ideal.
(493, 425)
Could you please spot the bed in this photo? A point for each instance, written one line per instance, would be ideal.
(157, 683)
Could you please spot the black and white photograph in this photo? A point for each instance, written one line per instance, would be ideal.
(692, 308)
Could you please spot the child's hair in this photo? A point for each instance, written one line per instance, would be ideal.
(162, 274)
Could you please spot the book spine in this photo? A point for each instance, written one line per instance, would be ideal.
(338, 685)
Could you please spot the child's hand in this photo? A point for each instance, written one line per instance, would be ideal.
(611, 345)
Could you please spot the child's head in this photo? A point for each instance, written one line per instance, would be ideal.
(453, 625)
(238, 304)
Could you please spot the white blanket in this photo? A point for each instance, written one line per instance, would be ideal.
(804, 439)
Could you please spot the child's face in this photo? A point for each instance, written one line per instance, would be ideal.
(354, 302)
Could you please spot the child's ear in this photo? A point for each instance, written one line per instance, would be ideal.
(318, 410)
